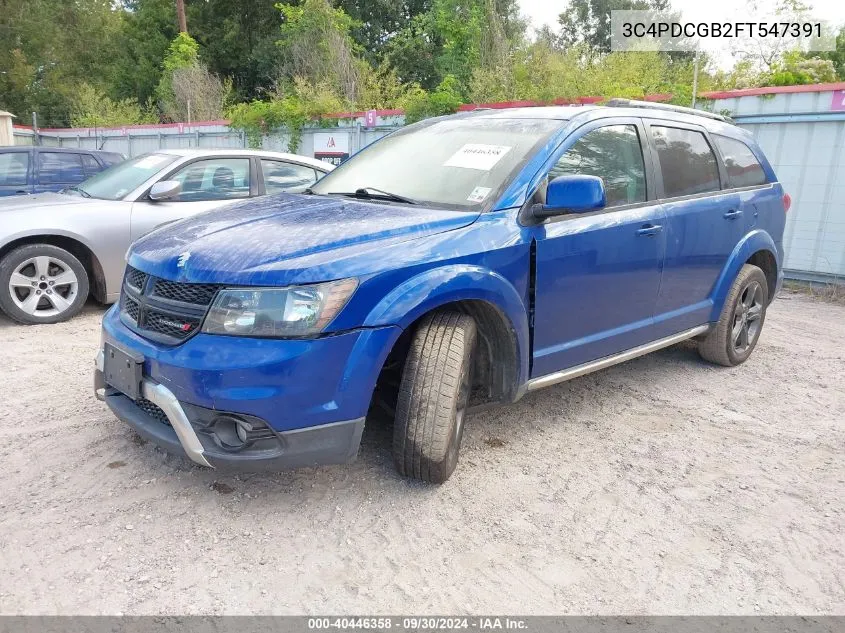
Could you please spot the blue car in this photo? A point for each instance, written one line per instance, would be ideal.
(38, 169)
(456, 263)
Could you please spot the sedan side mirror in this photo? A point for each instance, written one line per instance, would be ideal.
(165, 190)
(571, 194)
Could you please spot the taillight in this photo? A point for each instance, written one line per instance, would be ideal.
(787, 202)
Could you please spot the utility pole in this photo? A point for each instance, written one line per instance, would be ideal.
(35, 128)
(695, 79)
(180, 13)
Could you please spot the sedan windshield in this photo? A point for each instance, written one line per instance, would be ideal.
(457, 163)
(117, 181)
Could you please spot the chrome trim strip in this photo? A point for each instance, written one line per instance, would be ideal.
(167, 402)
(608, 361)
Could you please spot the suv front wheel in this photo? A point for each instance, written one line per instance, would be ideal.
(41, 283)
(735, 335)
(433, 397)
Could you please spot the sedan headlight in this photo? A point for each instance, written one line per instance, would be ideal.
(291, 312)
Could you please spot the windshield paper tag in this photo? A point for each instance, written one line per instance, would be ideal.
(478, 194)
(477, 156)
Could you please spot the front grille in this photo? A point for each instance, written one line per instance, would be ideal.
(163, 323)
(136, 278)
(131, 307)
(152, 410)
(199, 294)
(162, 310)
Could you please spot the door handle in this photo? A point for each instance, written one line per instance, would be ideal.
(733, 214)
(650, 230)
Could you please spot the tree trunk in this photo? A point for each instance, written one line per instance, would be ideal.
(180, 13)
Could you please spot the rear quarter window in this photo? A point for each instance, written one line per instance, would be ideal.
(687, 163)
(743, 168)
(13, 168)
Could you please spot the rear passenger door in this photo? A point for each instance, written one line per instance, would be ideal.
(704, 223)
(57, 170)
(282, 176)
(598, 274)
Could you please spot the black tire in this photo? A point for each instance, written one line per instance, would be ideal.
(433, 397)
(71, 296)
(744, 312)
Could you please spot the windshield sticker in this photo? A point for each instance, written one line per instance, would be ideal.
(477, 156)
(478, 194)
(150, 161)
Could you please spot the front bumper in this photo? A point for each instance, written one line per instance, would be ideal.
(333, 443)
(310, 398)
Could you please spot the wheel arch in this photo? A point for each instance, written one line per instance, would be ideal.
(756, 248)
(499, 312)
(75, 246)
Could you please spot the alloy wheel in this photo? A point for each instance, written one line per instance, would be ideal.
(43, 286)
(747, 317)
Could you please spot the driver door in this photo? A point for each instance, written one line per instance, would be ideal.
(207, 183)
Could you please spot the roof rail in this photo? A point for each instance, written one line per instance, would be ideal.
(631, 103)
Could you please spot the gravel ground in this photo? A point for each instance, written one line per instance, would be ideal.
(662, 486)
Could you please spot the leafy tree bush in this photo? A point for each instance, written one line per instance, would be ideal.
(92, 108)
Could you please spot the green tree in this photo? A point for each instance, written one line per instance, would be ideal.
(47, 48)
(588, 21)
(93, 108)
(147, 29)
(317, 46)
(837, 56)
(238, 40)
(377, 23)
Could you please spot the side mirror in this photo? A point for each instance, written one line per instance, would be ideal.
(165, 189)
(571, 194)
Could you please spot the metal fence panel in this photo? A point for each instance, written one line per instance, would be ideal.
(808, 160)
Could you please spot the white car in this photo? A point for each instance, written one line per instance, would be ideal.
(56, 248)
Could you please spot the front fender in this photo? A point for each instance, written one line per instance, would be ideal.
(753, 242)
(459, 282)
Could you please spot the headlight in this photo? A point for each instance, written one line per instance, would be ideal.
(291, 312)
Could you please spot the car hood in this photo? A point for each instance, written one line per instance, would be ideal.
(285, 238)
(22, 203)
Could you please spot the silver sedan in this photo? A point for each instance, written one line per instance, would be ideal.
(56, 248)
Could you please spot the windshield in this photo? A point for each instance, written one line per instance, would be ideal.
(117, 181)
(460, 163)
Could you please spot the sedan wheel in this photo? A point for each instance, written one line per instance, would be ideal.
(42, 284)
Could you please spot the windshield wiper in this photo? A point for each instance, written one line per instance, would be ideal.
(79, 190)
(364, 192)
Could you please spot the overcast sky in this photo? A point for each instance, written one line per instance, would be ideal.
(542, 12)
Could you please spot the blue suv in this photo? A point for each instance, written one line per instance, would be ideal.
(38, 169)
(456, 263)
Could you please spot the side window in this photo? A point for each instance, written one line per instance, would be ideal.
(744, 170)
(13, 168)
(687, 163)
(214, 179)
(612, 153)
(60, 168)
(90, 164)
(281, 176)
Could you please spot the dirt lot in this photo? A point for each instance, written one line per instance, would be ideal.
(661, 486)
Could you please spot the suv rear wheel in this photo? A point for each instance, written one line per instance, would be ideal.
(736, 334)
(40, 283)
(433, 397)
